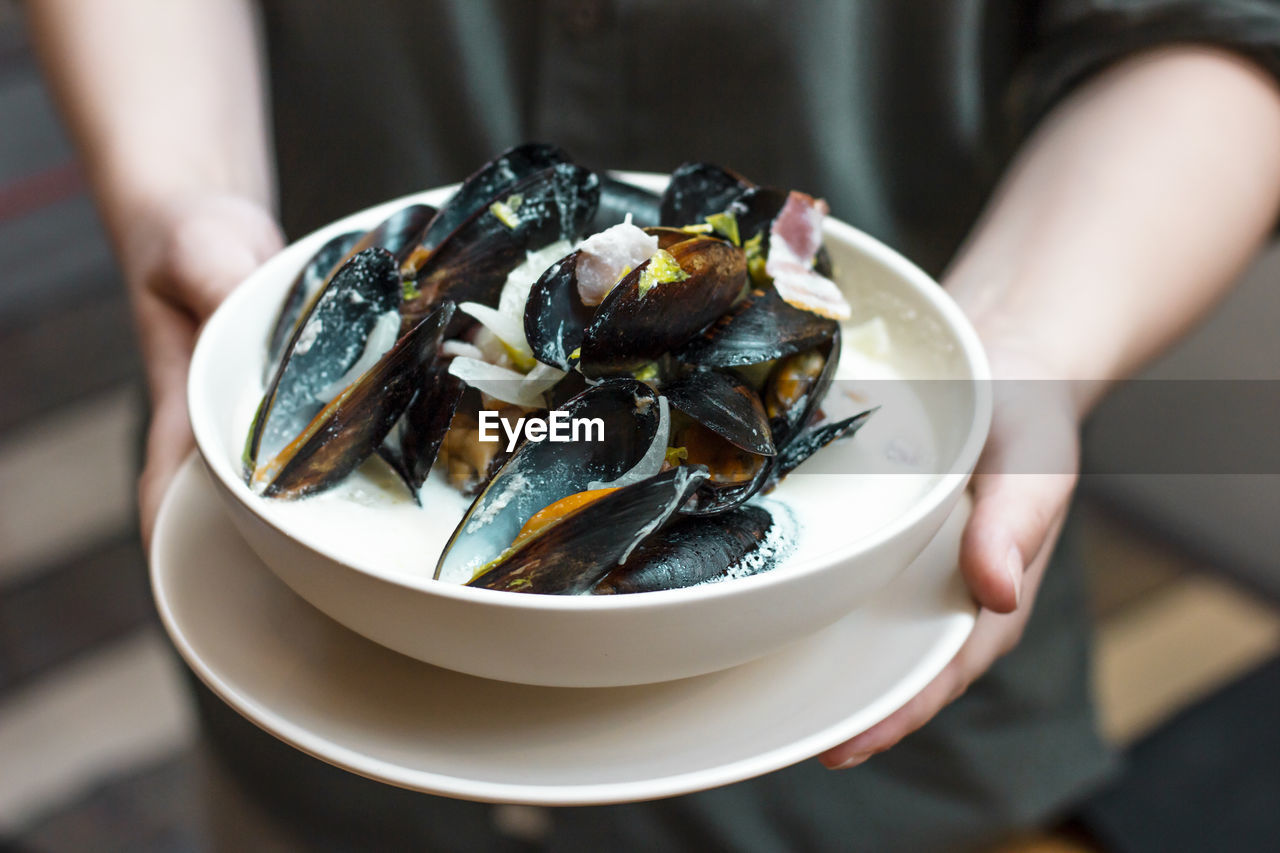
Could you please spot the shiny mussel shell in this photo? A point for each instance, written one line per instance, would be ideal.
(555, 316)
(570, 556)
(327, 341)
(472, 263)
(542, 472)
(307, 283)
(352, 426)
(619, 199)
(496, 179)
(633, 326)
(698, 190)
(689, 551)
(760, 328)
(726, 405)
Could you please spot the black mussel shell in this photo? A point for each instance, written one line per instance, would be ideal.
(555, 316)
(755, 211)
(570, 556)
(619, 198)
(697, 190)
(689, 551)
(351, 427)
(328, 339)
(810, 372)
(542, 472)
(726, 405)
(760, 328)
(809, 441)
(631, 328)
(496, 179)
(426, 420)
(472, 263)
(399, 232)
(308, 282)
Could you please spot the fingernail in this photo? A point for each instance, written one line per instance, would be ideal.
(852, 761)
(1013, 564)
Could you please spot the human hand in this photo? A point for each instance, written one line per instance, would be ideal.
(180, 260)
(1021, 489)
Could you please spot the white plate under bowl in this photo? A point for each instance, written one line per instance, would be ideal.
(358, 705)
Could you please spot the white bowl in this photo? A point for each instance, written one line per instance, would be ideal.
(585, 641)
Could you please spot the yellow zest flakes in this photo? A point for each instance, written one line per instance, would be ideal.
(648, 373)
(662, 269)
(517, 584)
(754, 249)
(700, 228)
(506, 210)
(677, 455)
(726, 225)
(576, 355)
(409, 290)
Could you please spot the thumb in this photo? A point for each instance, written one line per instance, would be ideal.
(1013, 516)
(1021, 489)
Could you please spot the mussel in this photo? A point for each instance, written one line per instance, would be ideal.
(473, 261)
(693, 550)
(541, 473)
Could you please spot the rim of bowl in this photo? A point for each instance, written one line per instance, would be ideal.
(972, 352)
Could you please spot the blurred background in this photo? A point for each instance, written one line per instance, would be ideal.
(98, 748)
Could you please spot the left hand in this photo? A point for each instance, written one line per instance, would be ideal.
(1021, 489)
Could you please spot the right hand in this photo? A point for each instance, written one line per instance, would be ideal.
(181, 259)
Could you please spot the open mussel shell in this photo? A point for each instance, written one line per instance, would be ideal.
(570, 556)
(412, 447)
(554, 315)
(726, 405)
(472, 263)
(735, 475)
(633, 326)
(755, 211)
(327, 341)
(812, 439)
(542, 472)
(618, 199)
(494, 180)
(352, 426)
(689, 551)
(762, 327)
(398, 233)
(698, 190)
(797, 385)
(307, 283)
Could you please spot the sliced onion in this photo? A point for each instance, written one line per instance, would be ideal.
(507, 385)
(508, 329)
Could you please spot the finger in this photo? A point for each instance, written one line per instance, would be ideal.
(1012, 517)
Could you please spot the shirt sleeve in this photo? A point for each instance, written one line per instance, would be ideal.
(1070, 40)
